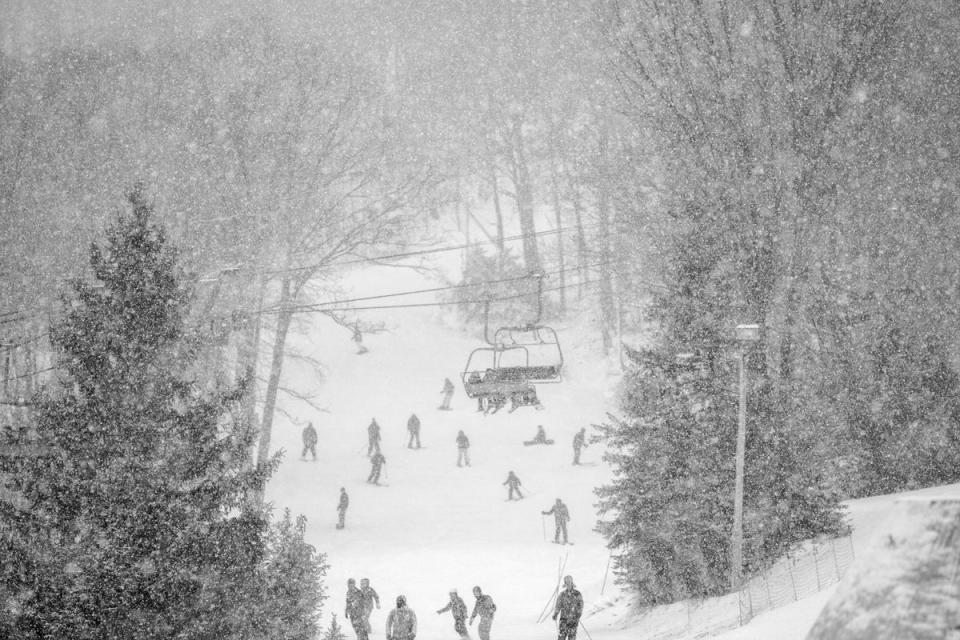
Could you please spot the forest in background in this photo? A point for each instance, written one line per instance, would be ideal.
(787, 163)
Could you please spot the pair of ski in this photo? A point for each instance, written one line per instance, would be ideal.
(561, 565)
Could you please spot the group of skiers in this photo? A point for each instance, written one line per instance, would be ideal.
(401, 623)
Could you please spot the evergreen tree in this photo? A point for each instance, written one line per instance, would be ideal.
(669, 508)
(133, 519)
(334, 631)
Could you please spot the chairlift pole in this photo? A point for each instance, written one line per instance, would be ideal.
(539, 276)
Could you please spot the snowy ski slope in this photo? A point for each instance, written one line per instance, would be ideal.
(434, 526)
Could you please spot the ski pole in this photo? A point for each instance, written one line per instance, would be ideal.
(585, 631)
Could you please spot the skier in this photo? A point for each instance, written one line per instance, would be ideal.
(485, 608)
(373, 437)
(458, 608)
(377, 461)
(579, 442)
(560, 516)
(401, 622)
(413, 426)
(447, 392)
(342, 507)
(358, 338)
(354, 610)
(463, 446)
(368, 597)
(513, 482)
(540, 438)
(309, 441)
(569, 608)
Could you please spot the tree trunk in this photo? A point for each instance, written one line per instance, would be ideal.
(558, 215)
(607, 310)
(524, 194)
(498, 211)
(276, 368)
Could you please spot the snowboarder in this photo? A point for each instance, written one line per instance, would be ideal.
(368, 597)
(540, 438)
(579, 442)
(354, 610)
(358, 338)
(513, 482)
(485, 608)
(377, 461)
(458, 608)
(463, 446)
(373, 437)
(413, 426)
(309, 441)
(342, 507)
(560, 516)
(401, 622)
(447, 392)
(569, 607)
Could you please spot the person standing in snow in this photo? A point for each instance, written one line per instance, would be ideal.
(447, 392)
(579, 442)
(401, 622)
(458, 608)
(569, 607)
(463, 446)
(377, 462)
(373, 437)
(413, 426)
(560, 516)
(354, 610)
(485, 608)
(513, 482)
(309, 441)
(368, 597)
(342, 507)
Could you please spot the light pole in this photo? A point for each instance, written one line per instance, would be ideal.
(747, 334)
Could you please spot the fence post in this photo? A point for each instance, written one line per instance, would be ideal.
(816, 567)
(793, 581)
(836, 562)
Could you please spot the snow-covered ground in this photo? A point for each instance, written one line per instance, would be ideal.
(434, 526)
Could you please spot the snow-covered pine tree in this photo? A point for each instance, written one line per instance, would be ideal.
(131, 517)
(668, 512)
(334, 631)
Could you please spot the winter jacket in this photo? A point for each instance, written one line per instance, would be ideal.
(512, 480)
(413, 424)
(309, 436)
(367, 597)
(569, 605)
(344, 502)
(559, 512)
(401, 624)
(354, 609)
(457, 606)
(463, 441)
(485, 608)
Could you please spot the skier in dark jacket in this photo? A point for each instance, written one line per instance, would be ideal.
(485, 608)
(579, 442)
(560, 516)
(569, 608)
(309, 441)
(401, 622)
(458, 608)
(513, 482)
(463, 449)
(342, 507)
(373, 437)
(377, 461)
(413, 426)
(368, 598)
(447, 392)
(354, 610)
